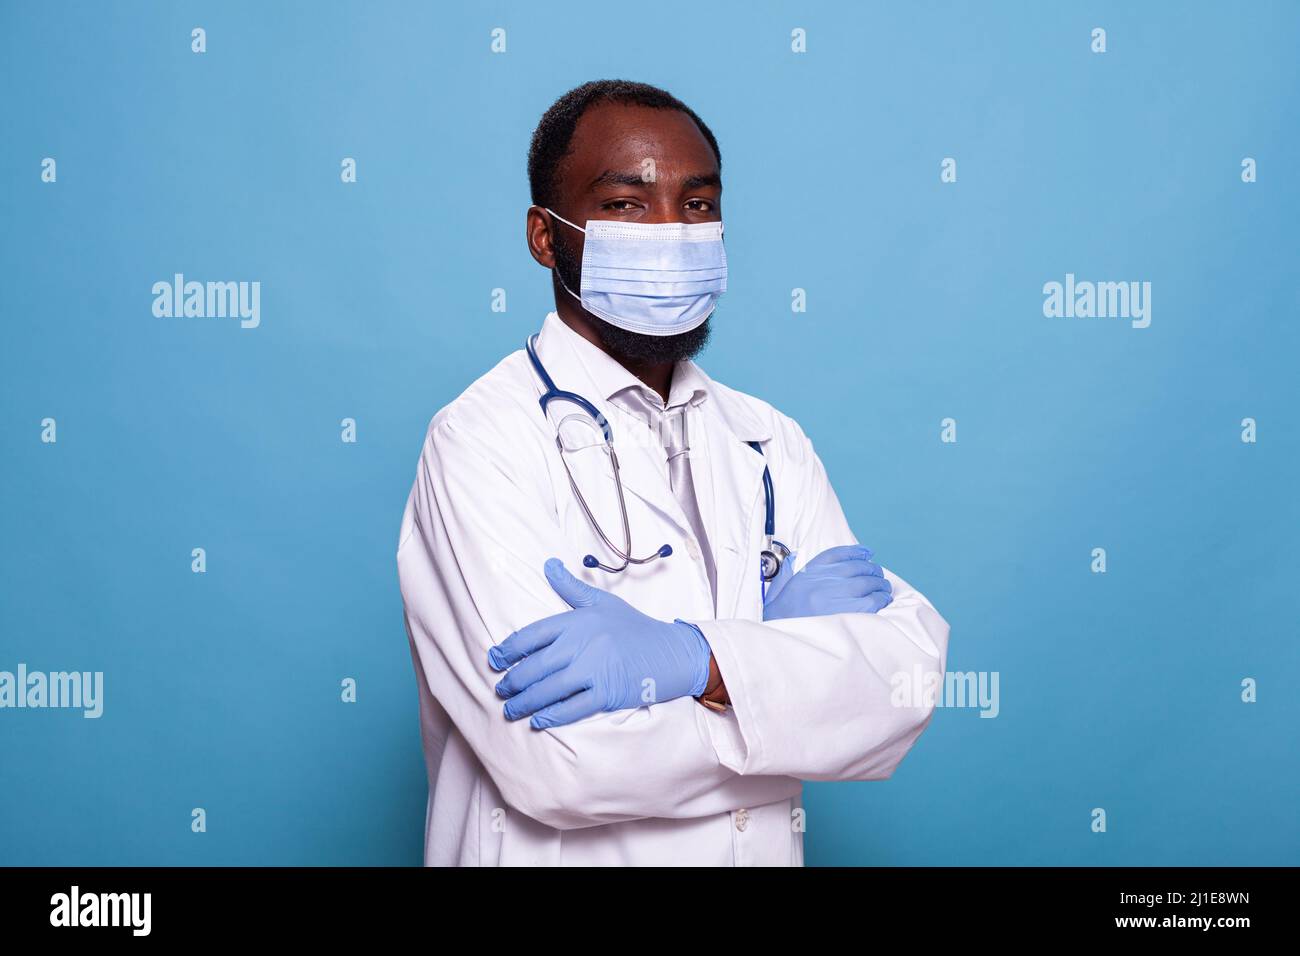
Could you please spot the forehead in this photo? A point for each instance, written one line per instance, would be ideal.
(619, 136)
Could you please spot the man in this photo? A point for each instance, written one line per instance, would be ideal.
(608, 673)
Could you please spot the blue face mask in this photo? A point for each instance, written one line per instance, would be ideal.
(656, 278)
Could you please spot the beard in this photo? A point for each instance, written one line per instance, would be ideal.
(633, 348)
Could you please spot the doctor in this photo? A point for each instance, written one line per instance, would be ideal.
(638, 617)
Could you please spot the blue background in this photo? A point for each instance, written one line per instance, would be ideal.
(1119, 691)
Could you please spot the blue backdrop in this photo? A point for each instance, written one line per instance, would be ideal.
(1119, 690)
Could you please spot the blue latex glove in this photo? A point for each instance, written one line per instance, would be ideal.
(602, 655)
(837, 581)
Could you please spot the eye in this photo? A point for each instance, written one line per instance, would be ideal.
(619, 205)
(700, 205)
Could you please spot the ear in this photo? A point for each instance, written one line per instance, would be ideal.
(537, 232)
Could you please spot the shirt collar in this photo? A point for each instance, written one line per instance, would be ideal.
(689, 383)
(566, 355)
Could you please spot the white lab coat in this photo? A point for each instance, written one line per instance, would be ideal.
(672, 783)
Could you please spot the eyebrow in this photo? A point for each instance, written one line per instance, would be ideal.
(613, 177)
(702, 179)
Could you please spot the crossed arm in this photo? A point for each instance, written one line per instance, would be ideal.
(810, 694)
(605, 655)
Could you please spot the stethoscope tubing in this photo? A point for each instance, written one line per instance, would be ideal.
(550, 394)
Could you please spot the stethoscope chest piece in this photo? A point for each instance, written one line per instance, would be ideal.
(771, 559)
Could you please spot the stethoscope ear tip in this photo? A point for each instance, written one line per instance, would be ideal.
(665, 551)
(590, 561)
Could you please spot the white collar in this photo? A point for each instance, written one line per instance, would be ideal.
(580, 366)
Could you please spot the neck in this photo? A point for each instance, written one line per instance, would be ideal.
(656, 375)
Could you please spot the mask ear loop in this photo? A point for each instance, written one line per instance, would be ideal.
(556, 215)
(566, 287)
(562, 219)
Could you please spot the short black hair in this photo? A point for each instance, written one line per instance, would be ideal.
(554, 134)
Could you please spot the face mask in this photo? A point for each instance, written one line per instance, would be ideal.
(660, 278)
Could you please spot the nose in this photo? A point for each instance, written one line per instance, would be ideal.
(664, 209)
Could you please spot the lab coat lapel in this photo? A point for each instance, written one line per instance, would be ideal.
(731, 496)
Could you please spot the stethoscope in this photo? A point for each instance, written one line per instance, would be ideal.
(771, 557)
